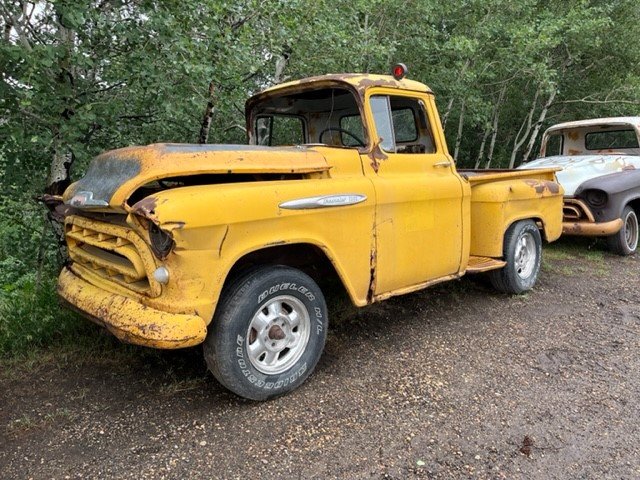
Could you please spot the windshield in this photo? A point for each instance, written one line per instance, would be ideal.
(328, 116)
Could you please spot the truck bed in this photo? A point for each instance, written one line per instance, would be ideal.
(500, 198)
(477, 177)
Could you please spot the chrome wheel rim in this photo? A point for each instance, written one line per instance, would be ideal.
(631, 231)
(278, 334)
(525, 255)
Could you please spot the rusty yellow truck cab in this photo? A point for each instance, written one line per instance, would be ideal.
(346, 178)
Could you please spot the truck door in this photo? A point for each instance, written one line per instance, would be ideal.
(419, 216)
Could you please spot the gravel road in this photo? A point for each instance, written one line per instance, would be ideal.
(452, 382)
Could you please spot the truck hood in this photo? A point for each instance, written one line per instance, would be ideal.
(577, 169)
(114, 175)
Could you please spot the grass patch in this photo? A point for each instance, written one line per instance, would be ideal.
(30, 316)
(571, 256)
(26, 422)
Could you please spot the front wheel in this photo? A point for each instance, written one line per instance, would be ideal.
(625, 242)
(522, 251)
(268, 332)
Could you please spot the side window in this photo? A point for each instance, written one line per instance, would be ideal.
(381, 110)
(403, 124)
(280, 130)
(554, 146)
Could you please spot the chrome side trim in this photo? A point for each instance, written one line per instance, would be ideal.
(324, 201)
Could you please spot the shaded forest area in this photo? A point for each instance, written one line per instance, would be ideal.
(80, 77)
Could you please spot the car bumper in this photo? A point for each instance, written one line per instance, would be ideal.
(592, 229)
(128, 319)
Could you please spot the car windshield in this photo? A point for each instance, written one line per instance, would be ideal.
(328, 116)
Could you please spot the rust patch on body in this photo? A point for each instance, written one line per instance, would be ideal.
(573, 134)
(376, 155)
(373, 263)
(540, 186)
(365, 83)
(574, 151)
(146, 206)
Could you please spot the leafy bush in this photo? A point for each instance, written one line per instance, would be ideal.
(29, 310)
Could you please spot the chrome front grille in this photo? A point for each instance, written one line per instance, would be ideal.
(113, 252)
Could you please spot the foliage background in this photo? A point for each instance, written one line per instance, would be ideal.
(79, 77)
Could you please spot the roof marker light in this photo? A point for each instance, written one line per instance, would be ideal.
(400, 70)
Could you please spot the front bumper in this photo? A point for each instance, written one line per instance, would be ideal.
(592, 229)
(128, 319)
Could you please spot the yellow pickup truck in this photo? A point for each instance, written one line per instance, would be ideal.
(345, 178)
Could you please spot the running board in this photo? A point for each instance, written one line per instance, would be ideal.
(483, 264)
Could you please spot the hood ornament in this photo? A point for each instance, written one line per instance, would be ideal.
(85, 199)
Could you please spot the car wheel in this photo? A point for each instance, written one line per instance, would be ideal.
(625, 242)
(522, 251)
(268, 332)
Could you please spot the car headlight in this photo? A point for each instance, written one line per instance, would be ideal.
(596, 198)
(161, 241)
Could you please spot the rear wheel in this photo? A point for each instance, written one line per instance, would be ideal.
(625, 242)
(522, 251)
(268, 332)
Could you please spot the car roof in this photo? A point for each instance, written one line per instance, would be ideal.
(596, 122)
(359, 81)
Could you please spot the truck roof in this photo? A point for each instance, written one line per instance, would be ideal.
(596, 122)
(359, 81)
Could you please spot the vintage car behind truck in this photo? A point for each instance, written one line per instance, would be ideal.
(600, 161)
(346, 178)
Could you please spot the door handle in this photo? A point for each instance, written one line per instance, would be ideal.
(442, 164)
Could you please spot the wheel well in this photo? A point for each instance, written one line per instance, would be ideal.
(308, 258)
(635, 204)
(537, 221)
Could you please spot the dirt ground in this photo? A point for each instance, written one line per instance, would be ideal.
(452, 382)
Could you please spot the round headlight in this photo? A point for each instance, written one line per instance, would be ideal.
(596, 198)
(161, 241)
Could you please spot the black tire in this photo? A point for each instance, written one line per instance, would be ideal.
(625, 242)
(240, 322)
(519, 274)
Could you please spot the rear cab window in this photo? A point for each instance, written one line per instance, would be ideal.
(611, 140)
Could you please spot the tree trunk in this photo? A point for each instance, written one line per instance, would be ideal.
(494, 127)
(59, 172)
(524, 130)
(487, 131)
(447, 110)
(281, 64)
(536, 128)
(208, 115)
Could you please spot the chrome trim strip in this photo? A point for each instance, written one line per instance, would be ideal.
(324, 201)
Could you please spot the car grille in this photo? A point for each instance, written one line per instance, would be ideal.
(113, 252)
(575, 210)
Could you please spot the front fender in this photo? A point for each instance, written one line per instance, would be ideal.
(621, 189)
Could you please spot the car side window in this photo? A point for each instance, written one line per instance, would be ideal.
(402, 123)
(554, 145)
